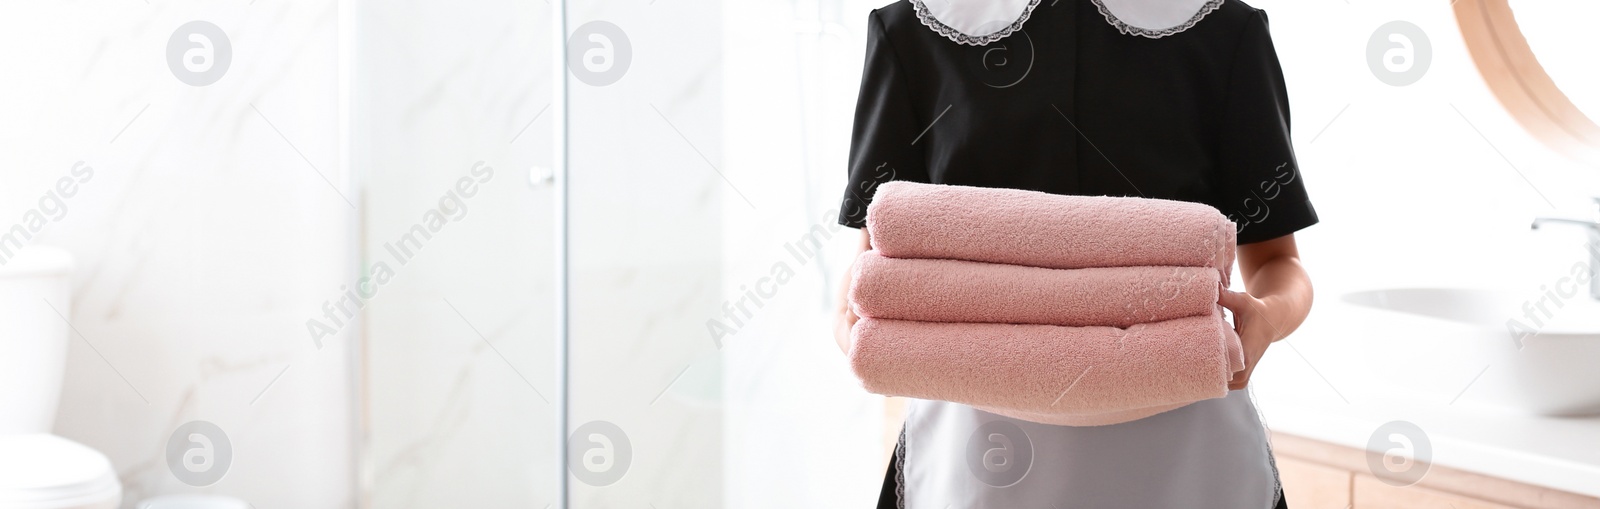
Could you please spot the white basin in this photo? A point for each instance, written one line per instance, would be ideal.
(1540, 352)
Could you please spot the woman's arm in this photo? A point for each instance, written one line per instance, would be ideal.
(844, 318)
(1276, 300)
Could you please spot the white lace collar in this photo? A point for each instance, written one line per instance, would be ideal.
(1155, 18)
(975, 22)
(980, 22)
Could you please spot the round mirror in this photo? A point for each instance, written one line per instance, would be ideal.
(1538, 58)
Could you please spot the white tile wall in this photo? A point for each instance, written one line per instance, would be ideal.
(212, 229)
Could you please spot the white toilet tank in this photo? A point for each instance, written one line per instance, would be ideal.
(33, 338)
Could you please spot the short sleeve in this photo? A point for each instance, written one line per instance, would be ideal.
(1260, 186)
(881, 143)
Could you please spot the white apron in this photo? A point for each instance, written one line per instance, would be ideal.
(1212, 454)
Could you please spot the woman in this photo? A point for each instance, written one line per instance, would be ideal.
(1173, 99)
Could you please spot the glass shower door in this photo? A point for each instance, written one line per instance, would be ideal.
(452, 132)
(706, 144)
(645, 215)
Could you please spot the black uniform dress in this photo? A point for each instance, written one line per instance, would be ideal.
(1070, 105)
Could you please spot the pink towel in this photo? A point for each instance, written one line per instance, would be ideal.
(1235, 363)
(913, 220)
(963, 291)
(1045, 373)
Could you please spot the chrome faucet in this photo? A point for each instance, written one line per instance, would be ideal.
(1593, 226)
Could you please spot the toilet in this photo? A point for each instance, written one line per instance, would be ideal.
(39, 470)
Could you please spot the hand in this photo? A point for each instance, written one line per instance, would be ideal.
(845, 317)
(842, 325)
(1252, 320)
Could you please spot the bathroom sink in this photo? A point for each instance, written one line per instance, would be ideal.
(1538, 352)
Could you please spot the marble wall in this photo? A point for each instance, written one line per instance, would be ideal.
(691, 172)
(223, 261)
(217, 221)
(460, 365)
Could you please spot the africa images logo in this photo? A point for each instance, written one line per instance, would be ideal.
(600, 453)
(598, 53)
(1399, 53)
(198, 53)
(999, 453)
(199, 453)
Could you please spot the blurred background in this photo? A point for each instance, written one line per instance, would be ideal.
(336, 242)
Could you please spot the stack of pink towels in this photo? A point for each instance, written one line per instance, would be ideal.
(1067, 310)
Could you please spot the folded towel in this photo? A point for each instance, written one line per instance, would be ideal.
(914, 220)
(1047, 373)
(1234, 344)
(962, 291)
